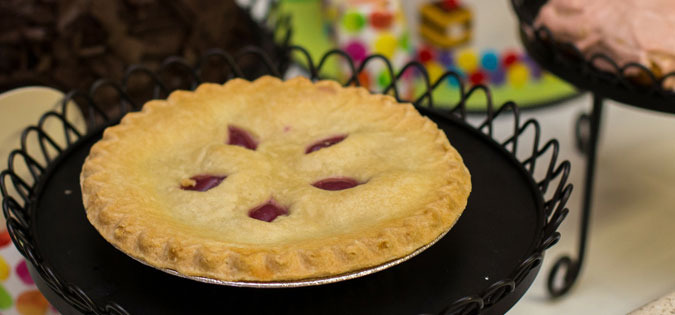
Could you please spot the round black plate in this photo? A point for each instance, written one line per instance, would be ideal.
(501, 226)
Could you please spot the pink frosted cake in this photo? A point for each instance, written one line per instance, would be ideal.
(627, 30)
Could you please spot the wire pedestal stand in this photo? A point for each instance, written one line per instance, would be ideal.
(632, 84)
(587, 143)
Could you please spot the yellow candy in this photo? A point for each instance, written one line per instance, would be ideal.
(518, 74)
(435, 71)
(467, 60)
(386, 44)
(4, 269)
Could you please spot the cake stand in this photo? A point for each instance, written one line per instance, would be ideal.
(641, 89)
(482, 266)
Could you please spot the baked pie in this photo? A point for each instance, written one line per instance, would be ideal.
(273, 180)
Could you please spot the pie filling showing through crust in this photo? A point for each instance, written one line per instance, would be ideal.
(273, 180)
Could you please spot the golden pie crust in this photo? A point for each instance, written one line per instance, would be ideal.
(414, 185)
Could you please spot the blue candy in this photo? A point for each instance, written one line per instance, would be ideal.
(452, 80)
(490, 60)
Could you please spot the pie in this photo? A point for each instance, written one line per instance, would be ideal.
(273, 180)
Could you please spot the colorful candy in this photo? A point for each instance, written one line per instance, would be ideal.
(364, 79)
(22, 272)
(452, 80)
(435, 71)
(5, 299)
(450, 4)
(477, 77)
(384, 79)
(353, 21)
(31, 302)
(497, 77)
(446, 58)
(404, 41)
(4, 269)
(4, 237)
(485, 68)
(490, 60)
(517, 75)
(509, 58)
(381, 19)
(356, 50)
(362, 28)
(386, 44)
(425, 54)
(467, 60)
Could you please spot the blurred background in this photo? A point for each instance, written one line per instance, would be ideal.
(67, 44)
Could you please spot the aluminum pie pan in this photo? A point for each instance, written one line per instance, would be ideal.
(300, 282)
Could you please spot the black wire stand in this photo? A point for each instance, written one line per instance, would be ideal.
(632, 84)
(80, 273)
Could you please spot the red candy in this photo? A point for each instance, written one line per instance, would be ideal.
(241, 137)
(324, 143)
(477, 77)
(336, 183)
(381, 20)
(204, 182)
(22, 272)
(450, 4)
(425, 54)
(509, 58)
(267, 212)
(4, 238)
(364, 79)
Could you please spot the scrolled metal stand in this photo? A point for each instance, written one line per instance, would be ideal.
(632, 84)
(587, 143)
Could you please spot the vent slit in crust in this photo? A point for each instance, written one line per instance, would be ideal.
(241, 137)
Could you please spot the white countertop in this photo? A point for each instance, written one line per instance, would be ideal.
(631, 257)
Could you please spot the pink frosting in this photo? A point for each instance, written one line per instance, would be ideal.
(628, 30)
